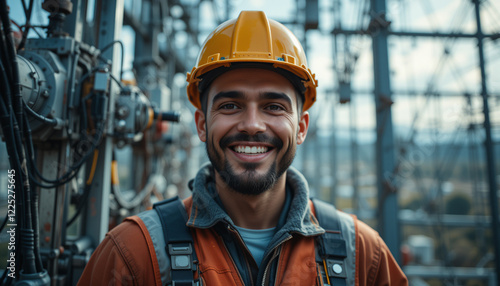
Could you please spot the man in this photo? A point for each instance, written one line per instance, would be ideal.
(250, 217)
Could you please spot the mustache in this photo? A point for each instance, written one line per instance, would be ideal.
(261, 138)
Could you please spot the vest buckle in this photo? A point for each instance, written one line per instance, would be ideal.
(181, 256)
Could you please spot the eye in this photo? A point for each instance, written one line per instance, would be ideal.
(228, 106)
(275, 107)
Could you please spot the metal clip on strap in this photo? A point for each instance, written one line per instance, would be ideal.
(178, 241)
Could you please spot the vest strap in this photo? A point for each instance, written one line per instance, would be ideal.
(332, 251)
(178, 241)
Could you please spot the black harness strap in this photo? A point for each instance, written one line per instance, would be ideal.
(178, 241)
(331, 251)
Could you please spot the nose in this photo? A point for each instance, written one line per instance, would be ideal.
(252, 121)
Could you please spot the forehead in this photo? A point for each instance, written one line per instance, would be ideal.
(251, 81)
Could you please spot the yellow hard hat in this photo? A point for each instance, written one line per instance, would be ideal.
(253, 38)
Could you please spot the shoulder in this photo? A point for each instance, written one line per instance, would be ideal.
(375, 264)
(125, 254)
(368, 237)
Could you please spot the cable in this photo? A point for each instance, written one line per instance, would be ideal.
(4, 275)
(4, 223)
(49, 121)
(4, 57)
(120, 84)
(34, 203)
(32, 165)
(25, 242)
(80, 206)
(11, 52)
(140, 196)
(4, 117)
(73, 170)
(86, 191)
(122, 54)
(68, 176)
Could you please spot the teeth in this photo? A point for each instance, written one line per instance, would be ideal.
(250, 150)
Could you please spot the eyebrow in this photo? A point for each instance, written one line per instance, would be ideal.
(241, 95)
(276, 96)
(228, 95)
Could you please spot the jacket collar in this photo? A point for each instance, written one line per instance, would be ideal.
(296, 217)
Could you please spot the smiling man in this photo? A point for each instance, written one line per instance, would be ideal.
(249, 220)
(251, 127)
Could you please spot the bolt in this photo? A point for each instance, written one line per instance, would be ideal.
(121, 125)
(120, 144)
(122, 111)
(337, 268)
(45, 94)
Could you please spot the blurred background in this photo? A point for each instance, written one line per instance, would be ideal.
(405, 132)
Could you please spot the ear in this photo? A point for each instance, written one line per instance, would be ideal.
(200, 120)
(303, 127)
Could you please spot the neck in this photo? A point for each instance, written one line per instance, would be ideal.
(253, 211)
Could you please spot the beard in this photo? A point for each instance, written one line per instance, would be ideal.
(250, 182)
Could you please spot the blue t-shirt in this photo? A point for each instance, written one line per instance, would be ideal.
(257, 240)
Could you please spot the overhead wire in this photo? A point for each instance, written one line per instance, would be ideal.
(476, 176)
(27, 12)
(495, 13)
(428, 10)
(430, 89)
(451, 155)
(445, 168)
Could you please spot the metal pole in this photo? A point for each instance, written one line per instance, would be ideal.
(333, 157)
(387, 197)
(490, 154)
(354, 158)
(74, 21)
(97, 216)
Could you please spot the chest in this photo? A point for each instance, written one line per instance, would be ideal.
(292, 262)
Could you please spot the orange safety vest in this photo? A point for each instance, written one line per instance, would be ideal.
(297, 265)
